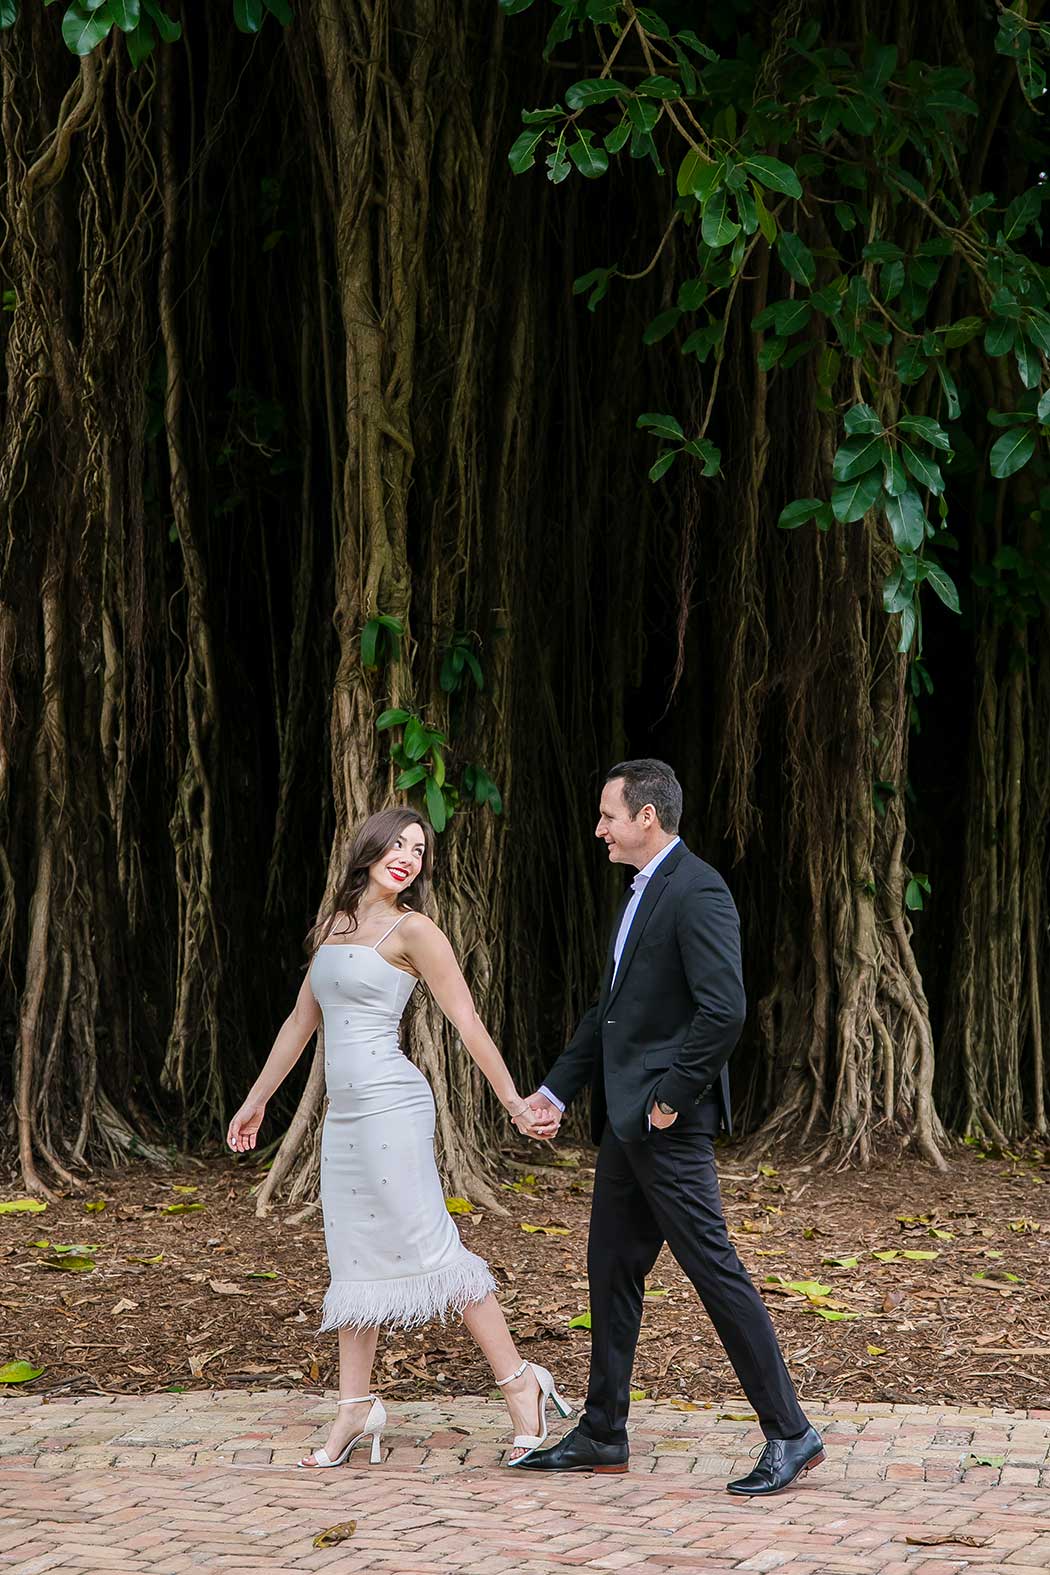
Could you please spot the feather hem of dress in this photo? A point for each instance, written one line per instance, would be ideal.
(408, 1303)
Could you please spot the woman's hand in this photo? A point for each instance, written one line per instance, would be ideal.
(244, 1128)
(528, 1121)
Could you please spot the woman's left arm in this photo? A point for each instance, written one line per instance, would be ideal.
(428, 949)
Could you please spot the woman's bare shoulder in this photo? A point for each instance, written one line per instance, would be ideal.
(419, 927)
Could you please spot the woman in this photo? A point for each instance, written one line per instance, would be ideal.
(395, 1256)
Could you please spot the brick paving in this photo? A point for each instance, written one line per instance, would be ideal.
(169, 1484)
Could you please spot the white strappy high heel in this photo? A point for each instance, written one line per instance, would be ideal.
(375, 1422)
(548, 1391)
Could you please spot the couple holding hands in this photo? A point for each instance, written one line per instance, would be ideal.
(653, 1050)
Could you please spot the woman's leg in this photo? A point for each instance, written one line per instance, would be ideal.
(357, 1349)
(488, 1326)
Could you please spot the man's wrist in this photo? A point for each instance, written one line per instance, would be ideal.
(552, 1098)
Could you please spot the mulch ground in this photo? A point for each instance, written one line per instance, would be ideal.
(901, 1285)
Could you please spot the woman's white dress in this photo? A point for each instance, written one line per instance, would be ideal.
(393, 1251)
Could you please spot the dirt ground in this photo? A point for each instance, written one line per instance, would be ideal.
(900, 1285)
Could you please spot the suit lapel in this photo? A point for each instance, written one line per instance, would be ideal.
(654, 890)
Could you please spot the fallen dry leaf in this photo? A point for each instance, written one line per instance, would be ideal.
(937, 1539)
(333, 1535)
(227, 1288)
(122, 1306)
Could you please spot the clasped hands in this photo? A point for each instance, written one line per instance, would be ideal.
(541, 1120)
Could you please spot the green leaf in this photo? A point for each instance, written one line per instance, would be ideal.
(410, 778)
(125, 13)
(694, 42)
(951, 392)
(369, 642)
(416, 740)
(596, 90)
(581, 1321)
(766, 222)
(661, 426)
(861, 418)
(925, 471)
(774, 175)
(475, 669)
(709, 456)
(393, 718)
(84, 30)
(281, 10)
(999, 336)
(1012, 452)
(8, 13)
(898, 591)
(716, 227)
(1042, 410)
(856, 456)
(661, 325)
(141, 43)
(913, 896)
(961, 332)
(658, 87)
(23, 1206)
(796, 257)
(18, 1372)
(852, 500)
(662, 465)
(695, 175)
(591, 162)
(770, 353)
(907, 520)
(799, 513)
(522, 155)
(248, 15)
(168, 29)
(882, 252)
(71, 1262)
(437, 809)
(926, 428)
(909, 624)
(1028, 363)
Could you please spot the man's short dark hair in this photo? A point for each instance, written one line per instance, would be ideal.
(650, 782)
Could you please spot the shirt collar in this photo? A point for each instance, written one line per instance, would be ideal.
(650, 869)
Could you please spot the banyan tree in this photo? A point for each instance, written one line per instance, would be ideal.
(440, 399)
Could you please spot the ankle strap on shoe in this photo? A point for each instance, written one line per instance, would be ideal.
(515, 1374)
(355, 1399)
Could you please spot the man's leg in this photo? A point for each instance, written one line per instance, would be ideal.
(623, 1245)
(677, 1170)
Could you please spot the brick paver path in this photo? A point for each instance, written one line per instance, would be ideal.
(170, 1484)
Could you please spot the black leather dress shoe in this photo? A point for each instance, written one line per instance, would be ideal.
(780, 1464)
(577, 1452)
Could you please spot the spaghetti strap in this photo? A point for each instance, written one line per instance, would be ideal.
(389, 932)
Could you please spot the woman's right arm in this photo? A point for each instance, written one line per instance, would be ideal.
(295, 1034)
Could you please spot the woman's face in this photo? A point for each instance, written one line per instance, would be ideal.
(401, 862)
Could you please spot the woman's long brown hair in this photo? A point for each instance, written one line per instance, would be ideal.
(371, 840)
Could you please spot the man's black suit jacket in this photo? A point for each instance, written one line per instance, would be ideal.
(667, 1026)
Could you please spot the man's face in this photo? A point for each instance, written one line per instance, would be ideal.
(623, 836)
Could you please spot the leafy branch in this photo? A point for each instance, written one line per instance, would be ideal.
(822, 156)
(88, 23)
(421, 751)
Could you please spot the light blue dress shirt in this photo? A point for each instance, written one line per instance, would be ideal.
(638, 885)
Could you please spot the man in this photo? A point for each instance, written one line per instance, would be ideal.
(654, 1049)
